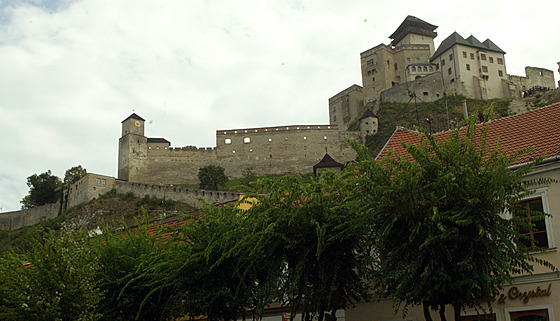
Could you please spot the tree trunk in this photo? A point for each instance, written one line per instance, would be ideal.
(457, 312)
(321, 315)
(427, 314)
(333, 315)
(442, 313)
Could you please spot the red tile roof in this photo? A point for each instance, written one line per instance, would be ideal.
(538, 129)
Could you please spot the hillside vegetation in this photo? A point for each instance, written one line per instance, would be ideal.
(436, 116)
(111, 208)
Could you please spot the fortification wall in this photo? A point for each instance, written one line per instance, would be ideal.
(88, 187)
(27, 217)
(269, 150)
(346, 106)
(180, 194)
(533, 77)
(428, 88)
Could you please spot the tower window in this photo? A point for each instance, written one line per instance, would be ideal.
(247, 140)
(227, 141)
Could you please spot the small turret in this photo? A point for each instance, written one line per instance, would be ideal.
(368, 124)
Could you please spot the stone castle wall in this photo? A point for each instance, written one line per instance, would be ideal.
(428, 88)
(533, 77)
(17, 219)
(265, 151)
(189, 196)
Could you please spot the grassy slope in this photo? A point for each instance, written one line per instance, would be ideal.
(414, 115)
(110, 208)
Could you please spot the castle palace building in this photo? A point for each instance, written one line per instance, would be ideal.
(411, 67)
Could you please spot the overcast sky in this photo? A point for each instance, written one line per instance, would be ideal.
(71, 71)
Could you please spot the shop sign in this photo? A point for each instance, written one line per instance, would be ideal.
(514, 293)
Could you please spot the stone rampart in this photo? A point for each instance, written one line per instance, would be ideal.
(428, 88)
(534, 77)
(17, 219)
(180, 194)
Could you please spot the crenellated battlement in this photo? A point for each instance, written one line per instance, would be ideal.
(182, 149)
(275, 129)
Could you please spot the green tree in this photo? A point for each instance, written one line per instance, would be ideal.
(312, 232)
(74, 174)
(42, 190)
(211, 177)
(57, 283)
(438, 226)
(198, 271)
(121, 254)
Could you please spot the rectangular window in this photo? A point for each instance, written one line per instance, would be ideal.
(468, 67)
(484, 68)
(103, 181)
(443, 62)
(533, 209)
(431, 68)
(472, 56)
(500, 73)
(481, 317)
(407, 59)
(482, 56)
(500, 61)
(531, 315)
(449, 71)
(98, 180)
(491, 60)
(450, 57)
(370, 63)
(464, 54)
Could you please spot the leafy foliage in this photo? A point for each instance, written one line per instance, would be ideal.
(58, 283)
(120, 255)
(72, 175)
(211, 177)
(440, 235)
(42, 190)
(313, 233)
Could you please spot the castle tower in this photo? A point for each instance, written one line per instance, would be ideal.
(368, 124)
(385, 66)
(133, 148)
(414, 31)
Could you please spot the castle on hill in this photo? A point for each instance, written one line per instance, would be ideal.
(410, 67)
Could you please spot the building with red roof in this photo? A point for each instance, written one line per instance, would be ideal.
(529, 297)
